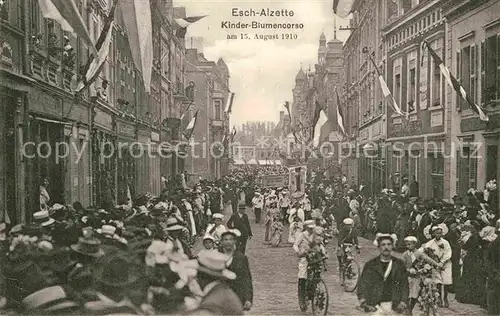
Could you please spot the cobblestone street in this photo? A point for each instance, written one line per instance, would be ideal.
(274, 272)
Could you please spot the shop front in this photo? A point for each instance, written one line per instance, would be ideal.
(104, 164)
(127, 152)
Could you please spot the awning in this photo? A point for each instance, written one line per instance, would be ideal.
(277, 162)
(252, 162)
(52, 121)
(262, 162)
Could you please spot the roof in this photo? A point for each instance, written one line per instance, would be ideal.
(239, 162)
(301, 75)
(252, 162)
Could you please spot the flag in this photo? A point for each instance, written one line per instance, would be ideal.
(229, 103)
(340, 116)
(233, 134)
(137, 21)
(97, 63)
(317, 128)
(184, 23)
(343, 8)
(66, 13)
(188, 131)
(385, 90)
(453, 82)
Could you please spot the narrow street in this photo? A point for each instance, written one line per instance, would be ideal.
(274, 272)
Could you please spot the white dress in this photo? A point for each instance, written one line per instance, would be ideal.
(443, 250)
(302, 245)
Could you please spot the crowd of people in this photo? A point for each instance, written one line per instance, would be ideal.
(135, 258)
(140, 257)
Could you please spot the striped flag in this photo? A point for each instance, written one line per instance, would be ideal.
(184, 23)
(317, 127)
(97, 63)
(385, 90)
(66, 13)
(453, 82)
(137, 21)
(188, 131)
(340, 116)
(229, 103)
(343, 8)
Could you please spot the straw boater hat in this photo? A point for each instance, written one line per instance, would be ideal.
(208, 237)
(380, 236)
(348, 221)
(214, 263)
(107, 231)
(43, 218)
(173, 224)
(88, 246)
(218, 216)
(49, 300)
(411, 239)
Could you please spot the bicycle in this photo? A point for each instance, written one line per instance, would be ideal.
(349, 270)
(316, 289)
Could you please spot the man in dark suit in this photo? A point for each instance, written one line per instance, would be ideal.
(238, 263)
(383, 285)
(240, 222)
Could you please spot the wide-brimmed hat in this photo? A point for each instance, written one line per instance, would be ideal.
(214, 263)
(88, 246)
(348, 221)
(309, 223)
(172, 224)
(429, 229)
(49, 300)
(234, 232)
(116, 271)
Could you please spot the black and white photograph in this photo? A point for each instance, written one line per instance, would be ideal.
(250, 157)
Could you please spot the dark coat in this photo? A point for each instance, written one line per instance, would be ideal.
(240, 223)
(242, 285)
(371, 283)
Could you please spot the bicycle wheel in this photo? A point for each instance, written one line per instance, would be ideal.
(320, 299)
(351, 276)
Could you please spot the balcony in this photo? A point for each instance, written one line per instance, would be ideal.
(217, 123)
(184, 95)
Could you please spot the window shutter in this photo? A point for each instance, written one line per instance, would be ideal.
(458, 72)
(483, 72)
(472, 169)
(459, 171)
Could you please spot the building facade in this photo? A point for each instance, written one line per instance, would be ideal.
(473, 56)
(364, 105)
(210, 158)
(82, 143)
(416, 144)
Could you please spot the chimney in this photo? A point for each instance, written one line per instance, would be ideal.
(195, 42)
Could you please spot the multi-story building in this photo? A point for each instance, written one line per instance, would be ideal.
(473, 56)
(364, 109)
(211, 93)
(40, 65)
(416, 144)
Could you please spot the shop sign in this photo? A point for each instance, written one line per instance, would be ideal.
(125, 129)
(274, 180)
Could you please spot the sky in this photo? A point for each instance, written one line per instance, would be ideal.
(262, 72)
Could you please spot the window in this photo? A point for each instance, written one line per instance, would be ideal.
(436, 74)
(412, 82)
(466, 169)
(217, 109)
(473, 72)
(4, 10)
(406, 6)
(491, 162)
(436, 161)
(397, 81)
(165, 58)
(491, 82)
